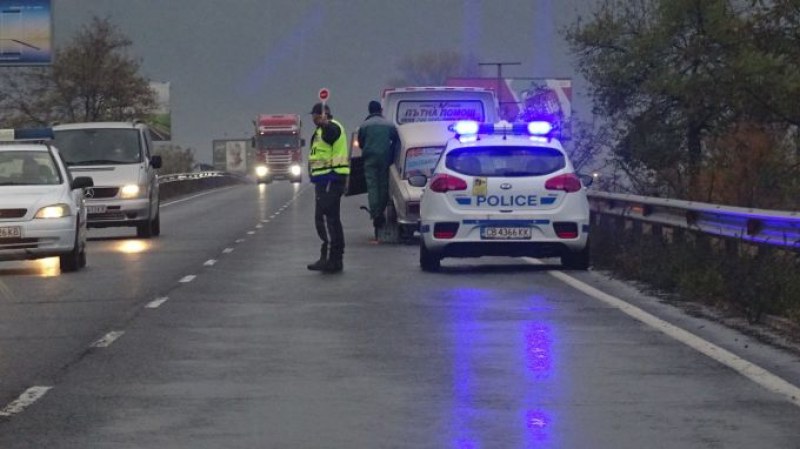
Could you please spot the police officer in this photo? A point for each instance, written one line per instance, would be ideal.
(329, 167)
(379, 143)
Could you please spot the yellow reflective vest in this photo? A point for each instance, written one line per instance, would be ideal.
(326, 158)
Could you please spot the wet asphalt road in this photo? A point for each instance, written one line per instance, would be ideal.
(247, 348)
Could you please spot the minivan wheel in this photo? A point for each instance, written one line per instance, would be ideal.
(144, 229)
(428, 260)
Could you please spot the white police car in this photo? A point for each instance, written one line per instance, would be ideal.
(42, 211)
(504, 190)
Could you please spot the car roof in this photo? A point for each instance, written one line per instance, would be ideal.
(35, 147)
(99, 125)
(495, 140)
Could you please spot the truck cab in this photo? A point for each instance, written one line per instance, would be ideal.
(278, 147)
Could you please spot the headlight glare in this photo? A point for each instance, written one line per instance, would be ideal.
(54, 211)
(295, 169)
(261, 170)
(129, 191)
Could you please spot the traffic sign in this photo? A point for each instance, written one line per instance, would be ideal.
(324, 93)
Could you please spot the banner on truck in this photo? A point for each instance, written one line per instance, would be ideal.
(26, 36)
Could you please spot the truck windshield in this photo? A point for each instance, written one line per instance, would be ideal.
(278, 141)
(99, 146)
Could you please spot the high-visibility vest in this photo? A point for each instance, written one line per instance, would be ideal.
(326, 158)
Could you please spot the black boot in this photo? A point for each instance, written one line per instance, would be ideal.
(334, 264)
(322, 262)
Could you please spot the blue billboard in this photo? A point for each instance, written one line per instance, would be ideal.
(25, 32)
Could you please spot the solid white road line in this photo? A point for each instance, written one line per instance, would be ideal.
(747, 369)
(210, 263)
(27, 398)
(187, 279)
(195, 196)
(157, 302)
(108, 339)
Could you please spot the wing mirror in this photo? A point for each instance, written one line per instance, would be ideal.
(418, 180)
(587, 180)
(82, 182)
(156, 161)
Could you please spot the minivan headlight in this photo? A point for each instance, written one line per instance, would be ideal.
(129, 191)
(54, 211)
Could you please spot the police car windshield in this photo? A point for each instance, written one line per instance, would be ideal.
(28, 168)
(505, 161)
(278, 141)
(99, 146)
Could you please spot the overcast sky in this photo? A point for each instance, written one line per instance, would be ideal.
(228, 61)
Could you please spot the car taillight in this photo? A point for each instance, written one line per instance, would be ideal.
(568, 182)
(445, 183)
(446, 230)
(566, 230)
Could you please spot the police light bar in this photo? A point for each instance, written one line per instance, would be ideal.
(25, 134)
(467, 128)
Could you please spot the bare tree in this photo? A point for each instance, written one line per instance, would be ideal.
(91, 79)
(433, 68)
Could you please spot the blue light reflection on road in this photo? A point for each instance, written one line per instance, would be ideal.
(465, 333)
(542, 384)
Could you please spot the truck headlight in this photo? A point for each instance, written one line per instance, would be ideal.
(261, 171)
(54, 211)
(129, 191)
(295, 169)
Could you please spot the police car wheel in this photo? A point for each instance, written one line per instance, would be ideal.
(576, 261)
(428, 260)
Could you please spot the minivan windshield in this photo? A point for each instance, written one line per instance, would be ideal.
(99, 146)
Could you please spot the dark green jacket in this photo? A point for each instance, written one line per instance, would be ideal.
(378, 140)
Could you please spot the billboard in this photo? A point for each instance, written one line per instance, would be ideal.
(231, 155)
(160, 122)
(529, 99)
(26, 32)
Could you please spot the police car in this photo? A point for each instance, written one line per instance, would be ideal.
(504, 190)
(42, 210)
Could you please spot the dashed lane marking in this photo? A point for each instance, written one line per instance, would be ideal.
(156, 303)
(227, 250)
(187, 279)
(25, 400)
(210, 263)
(108, 339)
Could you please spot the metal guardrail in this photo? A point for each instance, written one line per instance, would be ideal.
(162, 179)
(777, 228)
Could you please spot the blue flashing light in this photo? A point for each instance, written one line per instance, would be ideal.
(468, 138)
(26, 134)
(540, 128)
(466, 127)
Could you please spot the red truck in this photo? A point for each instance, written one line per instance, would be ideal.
(278, 147)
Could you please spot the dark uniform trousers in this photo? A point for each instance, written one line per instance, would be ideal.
(327, 216)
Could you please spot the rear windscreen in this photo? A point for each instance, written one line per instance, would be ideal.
(418, 111)
(505, 161)
(421, 161)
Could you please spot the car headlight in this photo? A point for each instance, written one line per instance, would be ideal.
(129, 191)
(261, 170)
(295, 169)
(54, 211)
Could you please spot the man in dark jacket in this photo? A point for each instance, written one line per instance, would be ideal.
(379, 144)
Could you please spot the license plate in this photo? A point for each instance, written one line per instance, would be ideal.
(10, 232)
(95, 209)
(505, 233)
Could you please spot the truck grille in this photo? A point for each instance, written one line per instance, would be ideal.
(279, 158)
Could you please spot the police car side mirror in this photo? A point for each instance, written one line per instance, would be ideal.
(82, 182)
(587, 180)
(418, 180)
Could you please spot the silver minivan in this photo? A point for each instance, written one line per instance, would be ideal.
(118, 157)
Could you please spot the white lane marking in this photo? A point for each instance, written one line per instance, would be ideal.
(187, 279)
(108, 339)
(26, 399)
(747, 369)
(239, 241)
(227, 250)
(259, 226)
(209, 262)
(265, 221)
(156, 303)
(251, 232)
(195, 196)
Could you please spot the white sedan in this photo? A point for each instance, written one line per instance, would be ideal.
(42, 211)
(503, 190)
